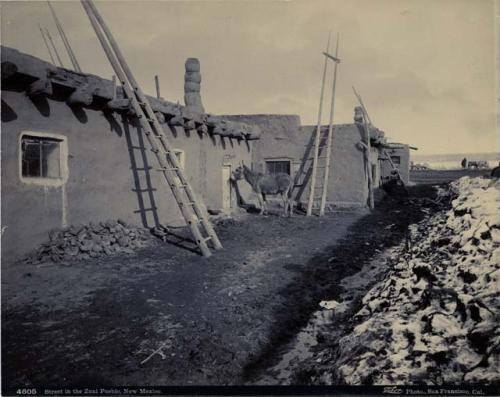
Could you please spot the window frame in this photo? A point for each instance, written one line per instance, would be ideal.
(63, 160)
(395, 156)
(181, 157)
(266, 161)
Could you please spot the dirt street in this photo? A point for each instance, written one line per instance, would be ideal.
(215, 321)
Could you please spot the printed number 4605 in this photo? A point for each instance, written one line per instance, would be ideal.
(26, 392)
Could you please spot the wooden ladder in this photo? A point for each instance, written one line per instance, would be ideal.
(321, 163)
(192, 210)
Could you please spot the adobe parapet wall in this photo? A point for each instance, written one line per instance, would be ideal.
(22, 72)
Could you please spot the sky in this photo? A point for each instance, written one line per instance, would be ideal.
(425, 68)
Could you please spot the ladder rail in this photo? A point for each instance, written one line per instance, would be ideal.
(330, 136)
(318, 132)
(153, 129)
(200, 212)
(366, 127)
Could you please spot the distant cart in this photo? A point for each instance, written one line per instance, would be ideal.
(477, 164)
(419, 167)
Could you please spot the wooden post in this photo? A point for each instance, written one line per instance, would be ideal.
(330, 134)
(366, 126)
(54, 48)
(157, 84)
(113, 79)
(317, 137)
(65, 41)
(47, 45)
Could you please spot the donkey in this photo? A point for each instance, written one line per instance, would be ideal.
(263, 184)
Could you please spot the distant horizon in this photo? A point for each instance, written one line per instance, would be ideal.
(489, 154)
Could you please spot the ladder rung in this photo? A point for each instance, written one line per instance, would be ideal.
(167, 169)
(191, 203)
(146, 209)
(144, 190)
(319, 157)
(206, 238)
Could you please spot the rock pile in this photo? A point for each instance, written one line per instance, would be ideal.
(434, 318)
(91, 241)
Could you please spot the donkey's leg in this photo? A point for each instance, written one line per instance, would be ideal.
(285, 203)
(261, 203)
(289, 202)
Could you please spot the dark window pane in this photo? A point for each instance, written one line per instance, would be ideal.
(31, 159)
(275, 167)
(396, 159)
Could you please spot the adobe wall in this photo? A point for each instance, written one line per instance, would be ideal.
(106, 163)
(282, 137)
(347, 186)
(404, 168)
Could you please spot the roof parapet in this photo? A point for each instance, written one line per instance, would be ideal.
(39, 78)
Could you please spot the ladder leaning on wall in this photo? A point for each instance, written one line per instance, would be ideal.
(192, 210)
(321, 163)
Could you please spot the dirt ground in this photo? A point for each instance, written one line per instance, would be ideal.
(218, 321)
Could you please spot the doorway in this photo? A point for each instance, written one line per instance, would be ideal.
(226, 188)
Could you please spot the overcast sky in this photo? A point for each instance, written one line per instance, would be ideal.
(425, 68)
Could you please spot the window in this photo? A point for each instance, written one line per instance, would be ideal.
(180, 157)
(396, 160)
(43, 159)
(274, 167)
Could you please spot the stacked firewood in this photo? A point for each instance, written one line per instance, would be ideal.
(91, 241)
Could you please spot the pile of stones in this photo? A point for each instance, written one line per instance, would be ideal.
(91, 241)
(434, 317)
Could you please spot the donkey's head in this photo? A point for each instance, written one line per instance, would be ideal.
(238, 173)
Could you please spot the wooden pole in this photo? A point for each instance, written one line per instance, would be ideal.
(114, 86)
(65, 40)
(47, 45)
(317, 137)
(330, 133)
(366, 126)
(54, 47)
(157, 84)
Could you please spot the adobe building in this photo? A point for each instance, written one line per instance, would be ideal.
(72, 154)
